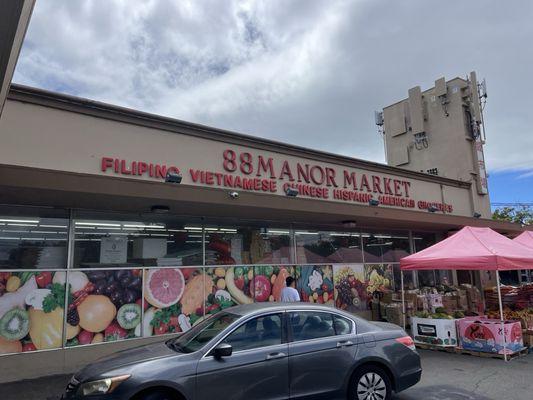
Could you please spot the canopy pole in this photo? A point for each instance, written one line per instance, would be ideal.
(501, 316)
(403, 299)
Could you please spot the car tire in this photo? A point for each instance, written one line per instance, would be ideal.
(370, 383)
(156, 395)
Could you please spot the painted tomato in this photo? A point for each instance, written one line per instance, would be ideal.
(239, 282)
(43, 279)
(262, 288)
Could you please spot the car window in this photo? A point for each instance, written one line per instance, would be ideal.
(195, 338)
(311, 325)
(342, 326)
(258, 332)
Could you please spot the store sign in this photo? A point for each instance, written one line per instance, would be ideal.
(262, 173)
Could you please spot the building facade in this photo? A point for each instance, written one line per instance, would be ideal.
(100, 251)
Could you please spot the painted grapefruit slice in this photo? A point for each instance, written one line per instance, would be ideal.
(163, 287)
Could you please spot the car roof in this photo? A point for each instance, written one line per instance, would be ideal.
(258, 308)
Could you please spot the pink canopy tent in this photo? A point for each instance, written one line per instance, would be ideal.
(525, 239)
(472, 249)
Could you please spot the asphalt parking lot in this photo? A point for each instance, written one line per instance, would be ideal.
(446, 377)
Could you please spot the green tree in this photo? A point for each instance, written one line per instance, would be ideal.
(521, 215)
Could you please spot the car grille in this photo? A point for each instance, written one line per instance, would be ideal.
(72, 385)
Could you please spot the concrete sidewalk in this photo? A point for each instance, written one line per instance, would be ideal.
(446, 377)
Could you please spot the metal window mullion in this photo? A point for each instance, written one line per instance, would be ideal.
(70, 264)
(293, 244)
(70, 240)
(203, 245)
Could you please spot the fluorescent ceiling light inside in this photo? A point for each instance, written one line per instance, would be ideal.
(53, 226)
(192, 228)
(26, 221)
(32, 225)
(274, 231)
(228, 230)
(154, 226)
(96, 224)
(307, 233)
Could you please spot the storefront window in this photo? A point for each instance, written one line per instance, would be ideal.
(247, 245)
(427, 278)
(166, 242)
(385, 247)
(327, 247)
(33, 239)
(423, 240)
(408, 279)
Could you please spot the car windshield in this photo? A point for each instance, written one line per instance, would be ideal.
(197, 337)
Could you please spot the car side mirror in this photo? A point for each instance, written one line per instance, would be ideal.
(223, 350)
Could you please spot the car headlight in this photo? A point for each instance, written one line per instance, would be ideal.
(101, 386)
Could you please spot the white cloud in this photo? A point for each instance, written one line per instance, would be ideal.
(309, 72)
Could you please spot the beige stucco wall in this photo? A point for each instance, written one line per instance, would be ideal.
(450, 147)
(49, 138)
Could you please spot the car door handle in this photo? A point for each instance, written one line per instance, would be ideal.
(275, 356)
(344, 343)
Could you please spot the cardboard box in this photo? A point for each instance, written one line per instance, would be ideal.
(449, 303)
(528, 338)
(438, 332)
(387, 297)
(484, 335)
(394, 313)
(149, 248)
(422, 303)
(411, 298)
(434, 301)
(462, 300)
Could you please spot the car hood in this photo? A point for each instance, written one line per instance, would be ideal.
(124, 358)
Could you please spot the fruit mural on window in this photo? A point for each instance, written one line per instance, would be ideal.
(173, 299)
(227, 287)
(379, 278)
(31, 311)
(315, 283)
(269, 281)
(351, 292)
(103, 306)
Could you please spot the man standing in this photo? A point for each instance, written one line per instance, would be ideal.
(289, 293)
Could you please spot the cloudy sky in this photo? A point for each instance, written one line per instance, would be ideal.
(308, 72)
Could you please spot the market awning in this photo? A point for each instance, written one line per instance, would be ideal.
(472, 249)
(525, 239)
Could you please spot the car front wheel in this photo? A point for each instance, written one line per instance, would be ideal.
(156, 395)
(370, 383)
